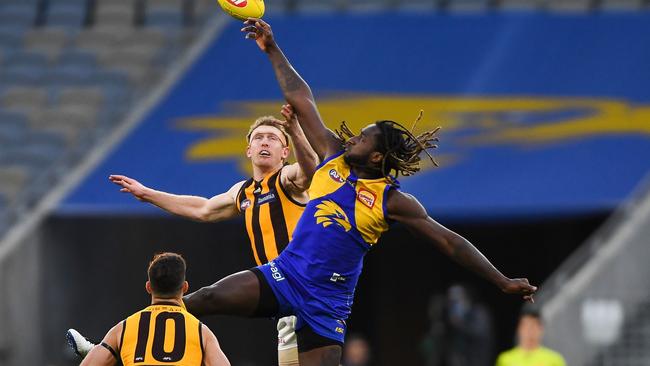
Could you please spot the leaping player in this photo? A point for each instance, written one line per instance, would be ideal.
(354, 195)
(272, 201)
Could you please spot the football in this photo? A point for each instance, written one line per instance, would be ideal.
(242, 9)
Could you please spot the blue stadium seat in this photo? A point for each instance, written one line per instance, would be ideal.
(68, 15)
(164, 18)
(38, 151)
(18, 13)
(24, 67)
(73, 68)
(11, 37)
(27, 58)
(23, 75)
(13, 128)
(81, 59)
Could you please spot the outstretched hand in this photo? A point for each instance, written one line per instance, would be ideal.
(260, 31)
(290, 118)
(129, 185)
(520, 286)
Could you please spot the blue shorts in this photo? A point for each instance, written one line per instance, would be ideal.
(307, 309)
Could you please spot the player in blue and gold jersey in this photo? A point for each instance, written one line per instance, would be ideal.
(354, 196)
(271, 202)
(163, 333)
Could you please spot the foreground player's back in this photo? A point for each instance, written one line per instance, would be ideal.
(162, 334)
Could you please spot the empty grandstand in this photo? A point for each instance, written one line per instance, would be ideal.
(544, 107)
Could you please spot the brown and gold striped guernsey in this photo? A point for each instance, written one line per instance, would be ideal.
(161, 334)
(271, 215)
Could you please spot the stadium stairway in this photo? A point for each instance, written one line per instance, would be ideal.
(633, 347)
(596, 306)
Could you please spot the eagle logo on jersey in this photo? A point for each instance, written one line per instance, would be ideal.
(329, 213)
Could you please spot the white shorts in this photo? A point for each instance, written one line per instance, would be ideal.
(287, 333)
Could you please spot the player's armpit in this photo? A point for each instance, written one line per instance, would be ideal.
(407, 210)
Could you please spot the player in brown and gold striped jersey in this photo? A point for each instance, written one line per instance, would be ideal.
(272, 200)
(147, 337)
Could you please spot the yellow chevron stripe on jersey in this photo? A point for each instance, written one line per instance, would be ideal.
(369, 205)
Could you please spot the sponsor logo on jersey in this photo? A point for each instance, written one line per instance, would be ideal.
(329, 213)
(245, 204)
(337, 278)
(257, 190)
(238, 3)
(336, 176)
(340, 330)
(275, 272)
(265, 198)
(366, 197)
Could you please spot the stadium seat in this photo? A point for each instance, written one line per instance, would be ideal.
(24, 98)
(70, 122)
(11, 38)
(13, 128)
(39, 149)
(622, 5)
(22, 75)
(144, 37)
(49, 41)
(164, 18)
(275, 7)
(13, 178)
(100, 40)
(417, 5)
(173, 5)
(569, 5)
(71, 74)
(468, 5)
(118, 15)
(368, 5)
(67, 15)
(520, 5)
(310, 6)
(18, 14)
(27, 58)
(86, 96)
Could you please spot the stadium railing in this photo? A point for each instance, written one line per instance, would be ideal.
(604, 284)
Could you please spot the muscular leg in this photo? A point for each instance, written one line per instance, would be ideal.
(316, 350)
(323, 356)
(237, 294)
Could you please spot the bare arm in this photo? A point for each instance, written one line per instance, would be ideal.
(99, 355)
(298, 176)
(295, 90)
(406, 209)
(214, 356)
(220, 207)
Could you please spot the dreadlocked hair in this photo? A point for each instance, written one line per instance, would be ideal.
(400, 147)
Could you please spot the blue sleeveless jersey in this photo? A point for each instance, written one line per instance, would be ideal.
(344, 218)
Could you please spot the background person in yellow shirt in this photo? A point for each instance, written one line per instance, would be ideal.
(529, 350)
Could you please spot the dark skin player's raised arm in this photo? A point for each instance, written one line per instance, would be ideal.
(407, 210)
(295, 90)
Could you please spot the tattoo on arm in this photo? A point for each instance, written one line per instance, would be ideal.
(288, 77)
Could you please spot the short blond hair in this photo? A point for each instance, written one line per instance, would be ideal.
(267, 121)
